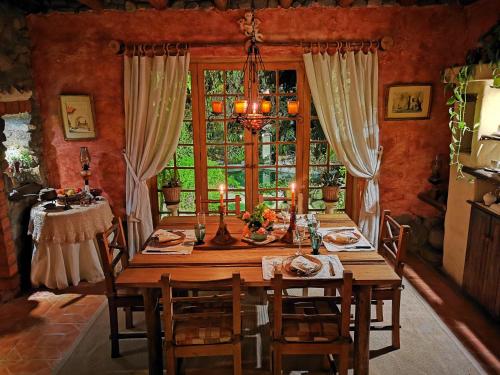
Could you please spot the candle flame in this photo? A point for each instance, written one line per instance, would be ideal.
(292, 186)
(221, 188)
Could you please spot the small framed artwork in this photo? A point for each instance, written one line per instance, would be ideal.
(408, 101)
(78, 117)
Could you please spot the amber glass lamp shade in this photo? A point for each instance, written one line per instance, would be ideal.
(217, 106)
(293, 107)
(265, 106)
(240, 106)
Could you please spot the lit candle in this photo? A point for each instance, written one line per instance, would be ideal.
(221, 191)
(217, 106)
(293, 107)
(292, 187)
(266, 106)
(240, 106)
(254, 107)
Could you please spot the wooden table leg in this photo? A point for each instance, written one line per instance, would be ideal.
(153, 324)
(362, 330)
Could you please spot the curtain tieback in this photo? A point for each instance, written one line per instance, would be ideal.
(375, 176)
(130, 168)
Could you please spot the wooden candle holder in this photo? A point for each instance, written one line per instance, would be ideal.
(223, 237)
(288, 237)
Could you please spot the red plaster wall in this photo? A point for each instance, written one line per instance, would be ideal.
(70, 56)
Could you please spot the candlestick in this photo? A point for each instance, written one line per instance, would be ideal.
(292, 187)
(221, 191)
(254, 107)
(265, 106)
(240, 106)
(293, 107)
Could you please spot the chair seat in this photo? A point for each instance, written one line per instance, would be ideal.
(314, 330)
(203, 331)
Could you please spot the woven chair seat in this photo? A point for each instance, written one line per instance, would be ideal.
(314, 330)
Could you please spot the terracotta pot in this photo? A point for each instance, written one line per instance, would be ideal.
(330, 193)
(172, 195)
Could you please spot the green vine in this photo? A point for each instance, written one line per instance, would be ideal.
(457, 123)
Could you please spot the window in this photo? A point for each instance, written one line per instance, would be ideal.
(321, 158)
(183, 163)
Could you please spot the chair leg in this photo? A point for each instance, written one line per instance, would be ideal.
(343, 366)
(380, 311)
(129, 318)
(396, 307)
(113, 326)
(171, 362)
(277, 361)
(237, 369)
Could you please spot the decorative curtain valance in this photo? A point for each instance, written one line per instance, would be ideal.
(155, 96)
(344, 88)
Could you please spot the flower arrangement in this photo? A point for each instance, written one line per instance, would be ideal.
(260, 220)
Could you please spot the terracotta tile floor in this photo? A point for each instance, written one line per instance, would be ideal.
(477, 332)
(36, 330)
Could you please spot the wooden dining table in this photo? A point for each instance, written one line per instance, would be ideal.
(210, 262)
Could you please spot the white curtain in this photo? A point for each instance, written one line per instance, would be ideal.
(155, 96)
(344, 88)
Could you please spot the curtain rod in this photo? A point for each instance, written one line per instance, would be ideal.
(158, 48)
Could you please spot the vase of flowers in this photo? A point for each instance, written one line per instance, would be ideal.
(259, 222)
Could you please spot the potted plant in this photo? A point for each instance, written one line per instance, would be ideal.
(259, 222)
(332, 179)
(172, 187)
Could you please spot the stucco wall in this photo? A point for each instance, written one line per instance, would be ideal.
(70, 55)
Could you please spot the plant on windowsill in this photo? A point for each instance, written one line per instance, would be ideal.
(172, 188)
(332, 179)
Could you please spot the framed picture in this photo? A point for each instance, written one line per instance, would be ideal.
(410, 101)
(77, 117)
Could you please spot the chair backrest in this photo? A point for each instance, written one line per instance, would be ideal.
(113, 250)
(343, 286)
(236, 200)
(393, 241)
(224, 291)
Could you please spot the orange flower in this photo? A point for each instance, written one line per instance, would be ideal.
(70, 109)
(246, 215)
(269, 215)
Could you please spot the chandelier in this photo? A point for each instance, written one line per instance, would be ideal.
(253, 112)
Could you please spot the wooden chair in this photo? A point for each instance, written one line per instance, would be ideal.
(208, 325)
(311, 325)
(113, 251)
(236, 200)
(392, 244)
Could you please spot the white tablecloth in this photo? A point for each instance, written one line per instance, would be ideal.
(64, 244)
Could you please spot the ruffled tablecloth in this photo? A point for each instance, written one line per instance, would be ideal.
(65, 251)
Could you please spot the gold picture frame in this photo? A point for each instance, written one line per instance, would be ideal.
(408, 101)
(77, 114)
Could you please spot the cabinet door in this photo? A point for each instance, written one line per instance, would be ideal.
(491, 283)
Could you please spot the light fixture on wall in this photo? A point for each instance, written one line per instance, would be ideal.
(252, 112)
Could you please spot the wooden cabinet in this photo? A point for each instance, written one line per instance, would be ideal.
(482, 262)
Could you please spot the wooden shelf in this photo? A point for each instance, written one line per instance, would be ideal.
(481, 174)
(485, 208)
(425, 197)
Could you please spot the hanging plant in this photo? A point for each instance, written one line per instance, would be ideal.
(457, 103)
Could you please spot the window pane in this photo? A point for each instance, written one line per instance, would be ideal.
(186, 133)
(316, 131)
(234, 82)
(215, 132)
(267, 178)
(236, 156)
(333, 157)
(316, 199)
(315, 176)
(232, 205)
(313, 109)
(267, 154)
(267, 81)
(187, 178)
(234, 132)
(268, 133)
(286, 176)
(288, 131)
(215, 177)
(236, 178)
(188, 114)
(286, 154)
(318, 153)
(215, 155)
(288, 81)
(185, 156)
(214, 83)
(188, 202)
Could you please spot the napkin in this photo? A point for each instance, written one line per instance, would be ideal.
(165, 235)
(363, 242)
(303, 265)
(184, 248)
